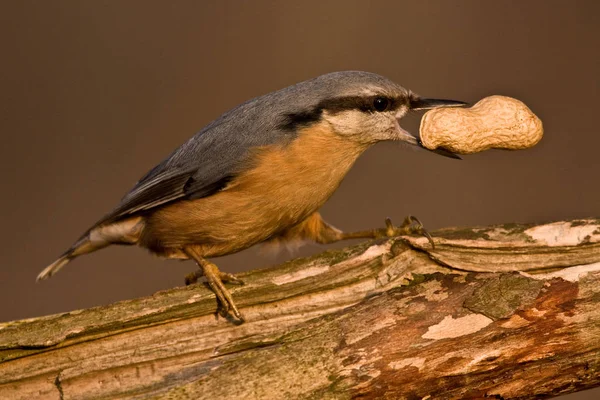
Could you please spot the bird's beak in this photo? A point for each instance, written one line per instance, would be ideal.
(419, 103)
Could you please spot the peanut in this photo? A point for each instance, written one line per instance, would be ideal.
(494, 122)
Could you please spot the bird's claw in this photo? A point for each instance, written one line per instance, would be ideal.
(215, 280)
(411, 226)
(226, 277)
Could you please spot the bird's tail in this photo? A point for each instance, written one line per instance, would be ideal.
(54, 267)
(121, 232)
(83, 246)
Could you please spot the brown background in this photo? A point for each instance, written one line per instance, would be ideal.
(95, 93)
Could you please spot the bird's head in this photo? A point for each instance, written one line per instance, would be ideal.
(361, 106)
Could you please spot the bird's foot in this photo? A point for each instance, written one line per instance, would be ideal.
(226, 277)
(410, 226)
(215, 280)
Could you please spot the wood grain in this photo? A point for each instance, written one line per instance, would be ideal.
(501, 312)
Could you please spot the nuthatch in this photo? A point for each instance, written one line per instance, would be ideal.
(259, 173)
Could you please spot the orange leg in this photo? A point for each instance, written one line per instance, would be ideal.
(215, 279)
(316, 229)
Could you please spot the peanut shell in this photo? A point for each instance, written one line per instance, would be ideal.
(494, 122)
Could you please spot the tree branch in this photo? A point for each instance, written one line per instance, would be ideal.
(505, 311)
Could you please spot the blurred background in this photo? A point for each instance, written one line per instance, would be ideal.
(96, 93)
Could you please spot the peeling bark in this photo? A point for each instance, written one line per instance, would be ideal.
(501, 312)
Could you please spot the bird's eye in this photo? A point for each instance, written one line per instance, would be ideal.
(381, 104)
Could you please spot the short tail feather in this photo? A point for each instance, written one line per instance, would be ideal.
(120, 232)
(83, 246)
(54, 267)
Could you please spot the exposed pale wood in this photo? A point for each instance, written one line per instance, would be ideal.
(507, 311)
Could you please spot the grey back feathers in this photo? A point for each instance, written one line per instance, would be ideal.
(212, 157)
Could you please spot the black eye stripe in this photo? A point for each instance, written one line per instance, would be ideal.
(293, 121)
(334, 105)
(363, 103)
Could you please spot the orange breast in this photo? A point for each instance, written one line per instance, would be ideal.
(287, 184)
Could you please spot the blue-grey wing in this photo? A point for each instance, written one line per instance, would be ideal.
(206, 162)
(218, 153)
(164, 187)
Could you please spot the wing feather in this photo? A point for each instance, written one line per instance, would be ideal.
(152, 192)
(208, 161)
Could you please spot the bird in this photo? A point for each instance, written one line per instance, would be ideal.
(259, 173)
